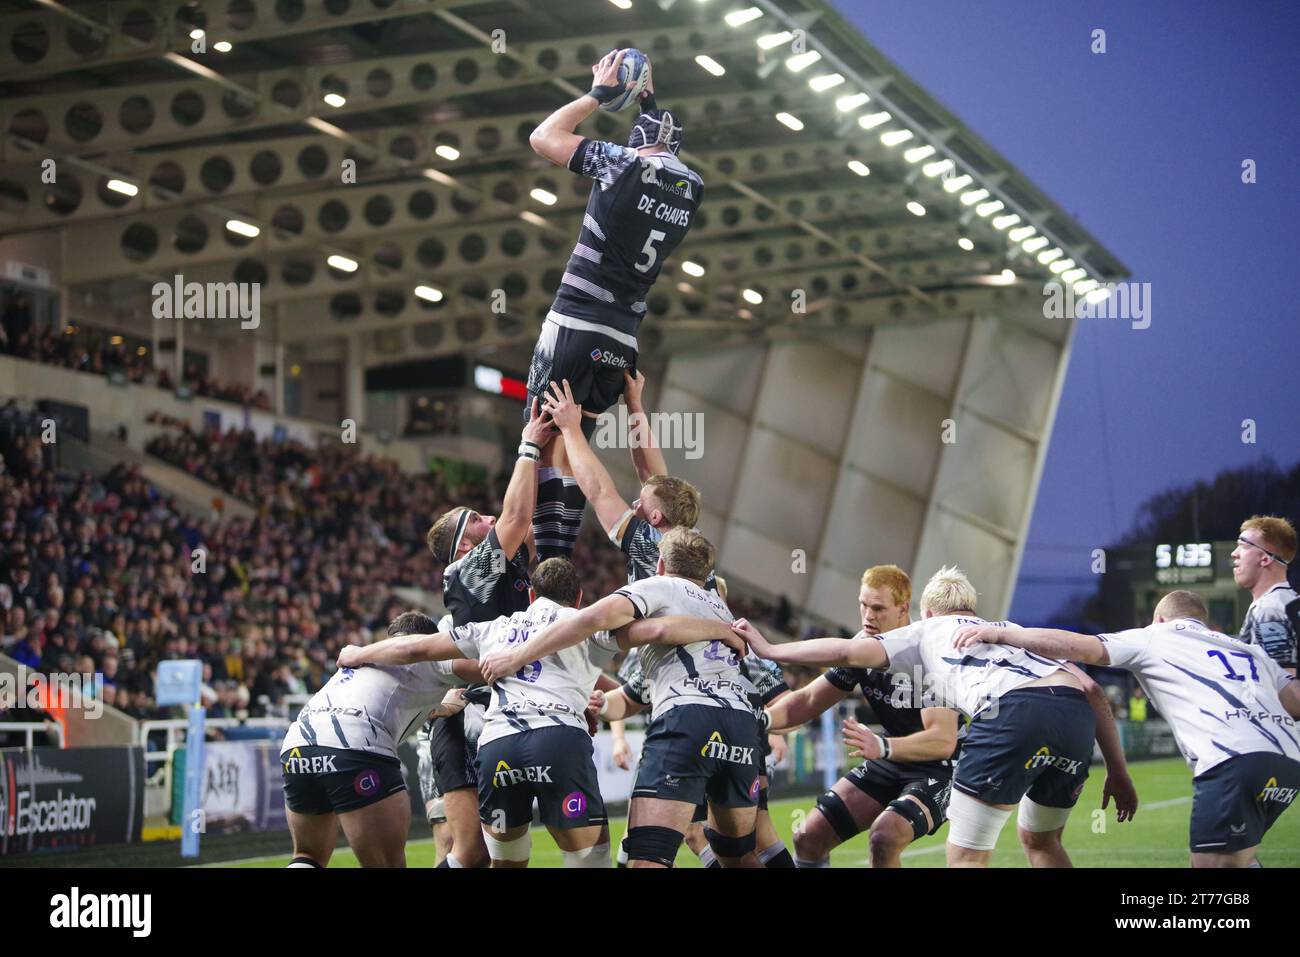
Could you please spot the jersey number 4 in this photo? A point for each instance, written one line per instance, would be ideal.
(649, 251)
(1227, 665)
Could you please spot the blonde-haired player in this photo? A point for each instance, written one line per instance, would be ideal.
(900, 792)
(1033, 720)
(1265, 548)
(1232, 709)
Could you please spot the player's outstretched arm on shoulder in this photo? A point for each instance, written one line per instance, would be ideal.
(1048, 642)
(592, 477)
(678, 630)
(815, 651)
(647, 458)
(406, 650)
(608, 614)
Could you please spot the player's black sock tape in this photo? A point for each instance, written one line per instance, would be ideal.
(303, 862)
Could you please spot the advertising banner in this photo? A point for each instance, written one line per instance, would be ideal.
(54, 800)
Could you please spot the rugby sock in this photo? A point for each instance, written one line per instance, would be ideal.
(622, 855)
(1255, 863)
(823, 862)
(303, 862)
(775, 855)
(558, 514)
(708, 858)
(450, 861)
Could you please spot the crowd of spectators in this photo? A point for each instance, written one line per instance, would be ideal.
(107, 574)
(105, 353)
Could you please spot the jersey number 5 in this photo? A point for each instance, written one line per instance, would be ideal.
(649, 251)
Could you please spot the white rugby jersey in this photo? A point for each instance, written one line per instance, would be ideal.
(371, 708)
(969, 681)
(542, 694)
(704, 672)
(1273, 623)
(1219, 695)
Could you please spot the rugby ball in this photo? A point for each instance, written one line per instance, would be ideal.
(633, 75)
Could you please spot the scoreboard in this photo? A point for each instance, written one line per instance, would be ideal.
(1184, 564)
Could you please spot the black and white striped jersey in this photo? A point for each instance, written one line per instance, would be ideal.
(639, 541)
(485, 585)
(639, 211)
(1273, 623)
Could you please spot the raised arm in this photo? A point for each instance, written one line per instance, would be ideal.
(678, 630)
(608, 614)
(554, 138)
(801, 706)
(406, 650)
(1048, 642)
(816, 651)
(592, 477)
(647, 459)
(515, 522)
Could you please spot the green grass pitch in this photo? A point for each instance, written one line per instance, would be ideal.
(1157, 837)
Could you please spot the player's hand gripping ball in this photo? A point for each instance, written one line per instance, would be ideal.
(633, 75)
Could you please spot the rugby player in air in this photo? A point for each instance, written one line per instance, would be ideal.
(535, 743)
(642, 203)
(702, 741)
(340, 761)
(486, 577)
(1033, 722)
(1232, 707)
(901, 791)
(1265, 548)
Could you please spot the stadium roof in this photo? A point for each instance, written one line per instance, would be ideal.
(434, 100)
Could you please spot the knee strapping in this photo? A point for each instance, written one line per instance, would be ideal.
(913, 814)
(732, 847)
(595, 856)
(837, 815)
(515, 851)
